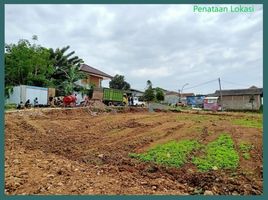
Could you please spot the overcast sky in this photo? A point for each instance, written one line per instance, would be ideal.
(168, 44)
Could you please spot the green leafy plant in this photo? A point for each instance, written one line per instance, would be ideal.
(245, 148)
(171, 154)
(219, 154)
(246, 156)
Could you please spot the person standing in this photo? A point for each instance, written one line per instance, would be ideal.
(36, 102)
(27, 104)
(128, 99)
(132, 101)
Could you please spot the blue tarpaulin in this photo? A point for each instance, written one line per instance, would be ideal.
(195, 100)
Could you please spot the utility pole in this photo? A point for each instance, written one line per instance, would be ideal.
(179, 95)
(220, 94)
(182, 90)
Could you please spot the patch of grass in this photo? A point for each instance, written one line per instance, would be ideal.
(196, 117)
(219, 154)
(174, 109)
(10, 106)
(248, 123)
(171, 154)
(245, 148)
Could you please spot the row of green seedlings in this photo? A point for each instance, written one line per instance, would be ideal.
(219, 154)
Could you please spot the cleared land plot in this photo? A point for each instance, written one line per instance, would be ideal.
(72, 152)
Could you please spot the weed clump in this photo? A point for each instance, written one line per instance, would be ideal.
(219, 154)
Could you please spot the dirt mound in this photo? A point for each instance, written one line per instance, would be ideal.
(99, 104)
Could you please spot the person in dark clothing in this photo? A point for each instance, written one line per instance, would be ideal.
(20, 105)
(51, 101)
(128, 99)
(36, 102)
(132, 101)
(27, 104)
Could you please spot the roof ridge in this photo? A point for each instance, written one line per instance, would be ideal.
(93, 70)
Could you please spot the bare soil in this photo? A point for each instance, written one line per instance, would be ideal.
(69, 151)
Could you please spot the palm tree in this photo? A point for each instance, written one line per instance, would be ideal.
(72, 75)
(66, 69)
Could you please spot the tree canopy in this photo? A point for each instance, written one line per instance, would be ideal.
(31, 64)
(159, 94)
(66, 69)
(149, 92)
(27, 64)
(118, 82)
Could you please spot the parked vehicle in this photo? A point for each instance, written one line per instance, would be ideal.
(114, 97)
(137, 102)
(23, 93)
(212, 103)
(69, 100)
(181, 104)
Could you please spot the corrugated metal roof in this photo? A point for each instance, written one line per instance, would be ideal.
(92, 70)
(251, 91)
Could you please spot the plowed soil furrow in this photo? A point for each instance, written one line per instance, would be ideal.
(71, 152)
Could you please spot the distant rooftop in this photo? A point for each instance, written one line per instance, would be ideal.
(91, 70)
(178, 94)
(253, 90)
(135, 90)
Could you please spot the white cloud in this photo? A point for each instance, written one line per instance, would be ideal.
(158, 72)
(156, 42)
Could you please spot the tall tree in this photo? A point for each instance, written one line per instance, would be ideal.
(66, 69)
(118, 82)
(159, 94)
(27, 64)
(149, 92)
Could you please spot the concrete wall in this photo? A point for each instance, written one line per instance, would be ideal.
(171, 99)
(241, 102)
(91, 80)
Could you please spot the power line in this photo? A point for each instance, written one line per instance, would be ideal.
(232, 83)
(200, 84)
